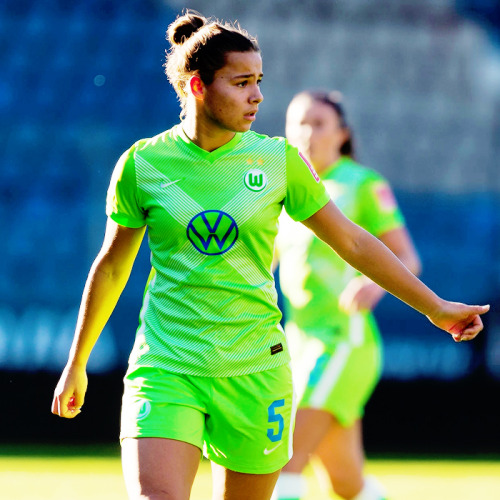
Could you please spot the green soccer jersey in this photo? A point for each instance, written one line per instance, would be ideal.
(210, 304)
(312, 276)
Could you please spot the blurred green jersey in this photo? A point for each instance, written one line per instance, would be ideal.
(313, 276)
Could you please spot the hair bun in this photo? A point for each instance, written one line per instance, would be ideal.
(184, 27)
(336, 96)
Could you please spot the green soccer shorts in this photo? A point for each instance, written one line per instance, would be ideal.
(243, 423)
(341, 376)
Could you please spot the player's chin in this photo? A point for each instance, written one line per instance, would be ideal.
(245, 126)
(247, 121)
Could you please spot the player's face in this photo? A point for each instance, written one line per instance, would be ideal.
(232, 100)
(315, 128)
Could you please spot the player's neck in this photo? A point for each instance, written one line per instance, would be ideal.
(205, 135)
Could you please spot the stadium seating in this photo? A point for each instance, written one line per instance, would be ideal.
(82, 80)
(80, 83)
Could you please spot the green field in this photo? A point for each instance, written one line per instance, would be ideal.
(95, 473)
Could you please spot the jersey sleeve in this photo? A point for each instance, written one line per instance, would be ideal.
(305, 193)
(122, 199)
(380, 211)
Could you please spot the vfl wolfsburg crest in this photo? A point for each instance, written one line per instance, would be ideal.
(144, 409)
(255, 180)
(212, 232)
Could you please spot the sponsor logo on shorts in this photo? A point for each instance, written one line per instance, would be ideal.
(212, 232)
(255, 180)
(268, 451)
(144, 410)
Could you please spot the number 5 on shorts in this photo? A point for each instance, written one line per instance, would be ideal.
(275, 417)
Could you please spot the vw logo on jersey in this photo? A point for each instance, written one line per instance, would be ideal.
(255, 180)
(212, 232)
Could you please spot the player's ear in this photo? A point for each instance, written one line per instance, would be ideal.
(345, 134)
(197, 87)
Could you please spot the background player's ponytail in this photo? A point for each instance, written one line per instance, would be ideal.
(199, 45)
(334, 99)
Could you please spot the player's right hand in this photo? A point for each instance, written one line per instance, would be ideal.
(69, 393)
(462, 321)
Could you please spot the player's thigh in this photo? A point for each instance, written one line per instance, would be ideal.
(250, 421)
(311, 426)
(231, 485)
(159, 468)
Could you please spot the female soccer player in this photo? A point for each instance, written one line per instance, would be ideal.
(210, 366)
(330, 303)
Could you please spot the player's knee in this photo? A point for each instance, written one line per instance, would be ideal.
(345, 490)
(346, 484)
(151, 490)
(370, 489)
(157, 495)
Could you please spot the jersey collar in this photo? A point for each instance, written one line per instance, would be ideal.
(208, 155)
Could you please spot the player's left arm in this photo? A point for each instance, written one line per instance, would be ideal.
(375, 260)
(362, 293)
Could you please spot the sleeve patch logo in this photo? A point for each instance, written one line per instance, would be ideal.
(310, 167)
(385, 198)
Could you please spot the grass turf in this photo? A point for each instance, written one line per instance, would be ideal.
(79, 473)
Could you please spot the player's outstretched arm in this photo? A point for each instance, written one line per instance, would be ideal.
(106, 280)
(372, 258)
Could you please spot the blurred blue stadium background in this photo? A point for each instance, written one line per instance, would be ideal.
(82, 80)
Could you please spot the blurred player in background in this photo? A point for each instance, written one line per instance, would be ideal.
(209, 369)
(337, 344)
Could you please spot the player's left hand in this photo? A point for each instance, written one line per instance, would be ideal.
(462, 321)
(360, 294)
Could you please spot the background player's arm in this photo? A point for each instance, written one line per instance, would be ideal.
(106, 280)
(361, 293)
(372, 258)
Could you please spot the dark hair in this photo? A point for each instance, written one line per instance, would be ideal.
(200, 45)
(334, 99)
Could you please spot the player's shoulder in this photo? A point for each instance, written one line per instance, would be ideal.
(142, 148)
(274, 145)
(159, 140)
(251, 137)
(141, 145)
